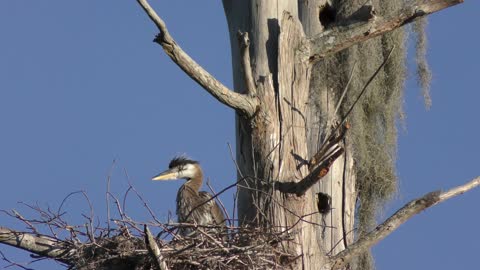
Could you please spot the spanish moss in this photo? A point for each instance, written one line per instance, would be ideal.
(424, 75)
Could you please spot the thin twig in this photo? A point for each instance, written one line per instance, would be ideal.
(215, 196)
(339, 103)
(366, 86)
(107, 199)
(362, 92)
(27, 222)
(211, 238)
(235, 196)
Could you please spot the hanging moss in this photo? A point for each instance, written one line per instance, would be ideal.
(424, 75)
(373, 133)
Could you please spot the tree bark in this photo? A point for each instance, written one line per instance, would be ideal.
(340, 182)
(296, 112)
(286, 132)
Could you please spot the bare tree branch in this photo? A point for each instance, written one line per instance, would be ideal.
(344, 36)
(244, 104)
(392, 223)
(244, 43)
(38, 244)
(154, 250)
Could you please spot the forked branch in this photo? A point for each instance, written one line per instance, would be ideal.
(391, 224)
(244, 104)
(346, 35)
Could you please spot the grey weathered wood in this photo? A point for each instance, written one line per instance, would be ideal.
(244, 44)
(38, 244)
(265, 146)
(246, 105)
(339, 183)
(346, 35)
(154, 250)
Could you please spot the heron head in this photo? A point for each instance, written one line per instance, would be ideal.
(179, 168)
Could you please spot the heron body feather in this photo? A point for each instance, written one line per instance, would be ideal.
(193, 206)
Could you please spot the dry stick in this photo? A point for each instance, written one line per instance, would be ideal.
(340, 100)
(234, 160)
(340, 241)
(117, 203)
(211, 238)
(44, 215)
(145, 204)
(366, 85)
(65, 199)
(154, 250)
(345, 89)
(124, 202)
(12, 263)
(107, 198)
(235, 196)
(392, 223)
(124, 218)
(316, 157)
(90, 230)
(244, 104)
(150, 211)
(29, 224)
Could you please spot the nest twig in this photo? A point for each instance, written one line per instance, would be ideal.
(121, 242)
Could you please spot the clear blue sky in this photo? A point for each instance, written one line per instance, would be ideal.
(81, 84)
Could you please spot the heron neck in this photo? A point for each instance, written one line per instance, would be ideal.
(195, 183)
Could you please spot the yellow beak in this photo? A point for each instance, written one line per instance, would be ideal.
(166, 175)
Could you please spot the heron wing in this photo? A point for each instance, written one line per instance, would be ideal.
(214, 207)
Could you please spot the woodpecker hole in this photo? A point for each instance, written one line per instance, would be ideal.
(327, 15)
(324, 203)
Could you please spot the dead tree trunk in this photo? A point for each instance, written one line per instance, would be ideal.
(298, 105)
(289, 147)
(274, 145)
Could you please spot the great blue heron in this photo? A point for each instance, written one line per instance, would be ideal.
(193, 206)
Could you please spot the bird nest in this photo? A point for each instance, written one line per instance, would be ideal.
(122, 242)
(207, 248)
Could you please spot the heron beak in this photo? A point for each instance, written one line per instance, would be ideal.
(166, 175)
